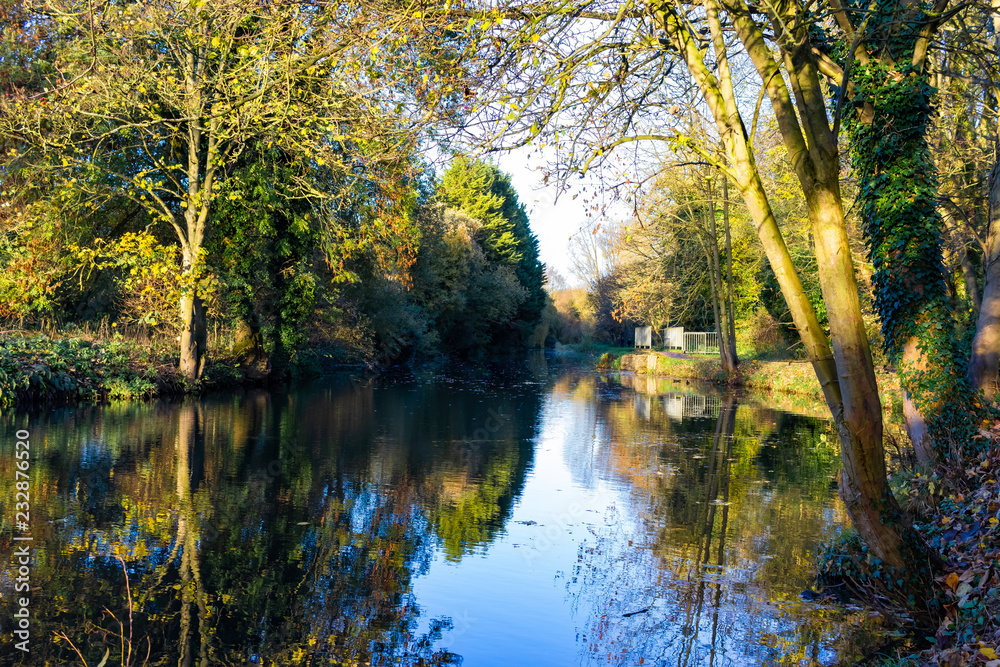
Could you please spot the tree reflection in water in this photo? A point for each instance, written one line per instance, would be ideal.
(716, 539)
(263, 528)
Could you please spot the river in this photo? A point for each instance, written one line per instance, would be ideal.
(530, 512)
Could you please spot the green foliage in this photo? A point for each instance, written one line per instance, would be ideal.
(40, 368)
(485, 194)
(149, 276)
(32, 271)
(606, 360)
(473, 517)
(902, 225)
(130, 390)
(466, 297)
(760, 335)
(482, 192)
(263, 242)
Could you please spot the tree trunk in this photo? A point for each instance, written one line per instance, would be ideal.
(857, 413)
(194, 336)
(845, 373)
(969, 278)
(731, 338)
(984, 364)
(803, 314)
(715, 294)
(719, 301)
(916, 425)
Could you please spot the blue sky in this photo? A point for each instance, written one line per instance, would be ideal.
(553, 222)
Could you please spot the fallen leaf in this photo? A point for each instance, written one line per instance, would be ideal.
(952, 581)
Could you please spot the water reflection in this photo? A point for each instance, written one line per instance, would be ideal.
(704, 562)
(516, 514)
(266, 527)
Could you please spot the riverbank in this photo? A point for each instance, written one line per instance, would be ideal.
(955, 509)
(38, 367)
(791, 377)
(86, 366)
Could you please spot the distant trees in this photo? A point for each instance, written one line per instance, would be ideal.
(675, 267)
(593, 253)
(497, 224)
(465, 296)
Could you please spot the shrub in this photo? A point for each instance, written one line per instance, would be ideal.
(763, 335)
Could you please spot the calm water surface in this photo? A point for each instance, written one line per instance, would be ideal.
(528, 513)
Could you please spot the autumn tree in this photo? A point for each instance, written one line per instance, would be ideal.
(154, 103)
(677, 260)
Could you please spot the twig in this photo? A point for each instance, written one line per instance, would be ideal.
(62, 635)
(634, 613)
(128, 591)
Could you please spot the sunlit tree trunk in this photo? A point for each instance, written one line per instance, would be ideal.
(194, 335)
(984, 363)
(869, 502)
(722, 313)
(716, 317)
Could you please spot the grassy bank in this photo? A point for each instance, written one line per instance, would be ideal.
(788, 376)
(105, 363)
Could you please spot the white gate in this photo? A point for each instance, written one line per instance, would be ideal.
(701, 343)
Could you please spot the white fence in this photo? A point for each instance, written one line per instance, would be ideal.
(675, 338)
(679, 406)
(701, 343)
